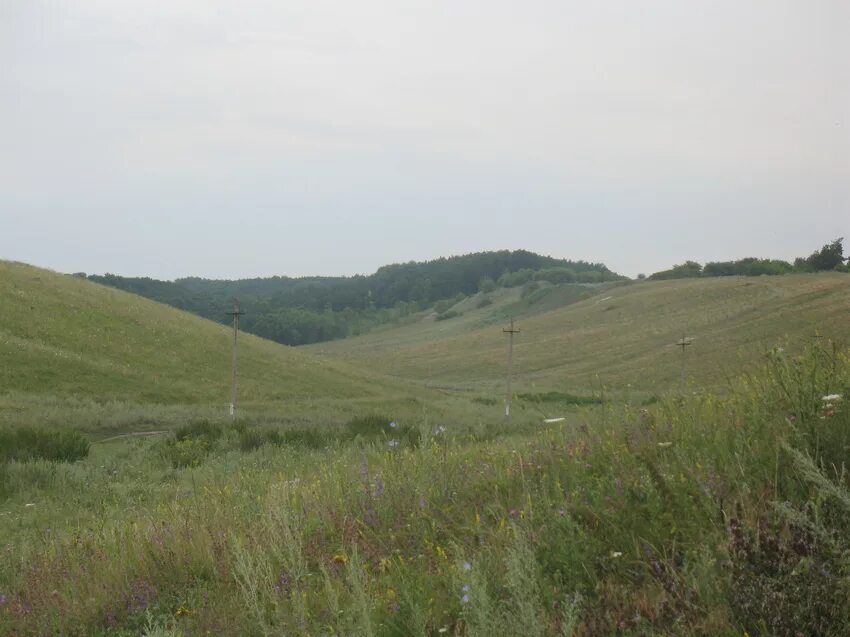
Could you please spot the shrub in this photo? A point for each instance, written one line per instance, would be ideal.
(199, 430)
(555, 275)
(484, 301)
(529, 288)
(185, 453)
(29, 443)
(686, 270)
(486, 284)
(254, 437)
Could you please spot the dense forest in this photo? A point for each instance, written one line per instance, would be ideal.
(829, 257)
(302, 310)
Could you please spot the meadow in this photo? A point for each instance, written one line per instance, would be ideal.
(359, 504)
(709, 515)
(581, 338)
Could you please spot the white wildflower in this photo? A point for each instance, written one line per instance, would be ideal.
(832, 398)
(616, 554)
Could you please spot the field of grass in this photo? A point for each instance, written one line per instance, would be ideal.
(619, 336)
(717, 515)
(82, 354)
(346, 502)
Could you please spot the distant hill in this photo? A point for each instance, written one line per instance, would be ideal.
(577, 338)
(64, 336)
(303, 310)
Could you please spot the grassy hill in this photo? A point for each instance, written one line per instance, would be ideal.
(617, 335)
(64, 336)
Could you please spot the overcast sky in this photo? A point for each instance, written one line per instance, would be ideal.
(232, 139)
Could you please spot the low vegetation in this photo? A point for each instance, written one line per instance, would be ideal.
(702, 514)
(829, 257)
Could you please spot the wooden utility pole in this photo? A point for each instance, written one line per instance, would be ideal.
(683, 344)
(236, 313)
(510, 332)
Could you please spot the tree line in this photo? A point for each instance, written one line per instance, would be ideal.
(301, 310)
(829, 257)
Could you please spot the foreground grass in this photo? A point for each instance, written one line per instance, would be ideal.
(712, 516)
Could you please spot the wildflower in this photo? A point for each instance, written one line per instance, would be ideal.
(440, 430)
(393, 424)
(831, 398)
(665, 444)
(29, 504)
(464, 599)
(467, 566)
(465, 588)
(2, 599)
(616, 554)
(444, 629)
(284, 583)
(340, 558)
(182, 610)
(393, 443)
(385, 564)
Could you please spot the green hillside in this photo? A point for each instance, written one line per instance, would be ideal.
(297, 311)
(64, 336)
(617, 336)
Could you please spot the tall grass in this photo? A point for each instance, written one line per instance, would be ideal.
(710, 516)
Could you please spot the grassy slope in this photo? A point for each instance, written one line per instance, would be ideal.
(620, 335)
(64, 336)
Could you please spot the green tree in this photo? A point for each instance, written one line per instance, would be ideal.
(829, 257)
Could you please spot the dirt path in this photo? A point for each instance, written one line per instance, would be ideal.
(133, 434)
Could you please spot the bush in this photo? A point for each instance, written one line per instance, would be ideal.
(537, 295)
(529, 288)
(486, 284)
(186, 453)
(56, 445)
(555, 275)
(484, 302)
(686, 270)
(514, 279)
(255, 437)
(199, 430)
